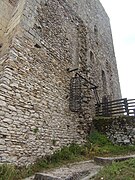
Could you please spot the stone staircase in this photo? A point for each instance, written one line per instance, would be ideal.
(77, 171)
(84, 170)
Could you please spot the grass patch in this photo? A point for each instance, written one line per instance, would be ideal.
(70, 154)
(96, 145)
(101, 145)
(118, 171)
(7, 172)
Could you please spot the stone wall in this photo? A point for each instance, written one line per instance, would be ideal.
(16, 16)
(99, 42)
(120, 130)
(10, 15)
(45, 38)
(5, 14)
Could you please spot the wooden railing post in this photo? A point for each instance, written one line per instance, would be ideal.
(105, 109)
(134, 112)
(126, 106)
(97, 109)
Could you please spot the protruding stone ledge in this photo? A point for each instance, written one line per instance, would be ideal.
(110, 160)
(79, 170)
(42, 176)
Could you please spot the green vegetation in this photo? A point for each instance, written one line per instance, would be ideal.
(66, 155)
(118, 171)
(35, 130)
(100, 145)
(7, 172)
(97, 144)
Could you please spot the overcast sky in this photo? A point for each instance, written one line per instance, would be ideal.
(122, 18)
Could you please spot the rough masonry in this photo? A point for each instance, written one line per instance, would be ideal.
(39, 41)
(120, 130)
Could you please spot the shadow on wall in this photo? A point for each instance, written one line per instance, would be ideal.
(13, 2)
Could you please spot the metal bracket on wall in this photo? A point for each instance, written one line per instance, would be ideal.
(75, 102)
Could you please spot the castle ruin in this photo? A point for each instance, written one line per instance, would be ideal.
(41, 43)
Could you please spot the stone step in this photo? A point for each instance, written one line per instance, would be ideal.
(77, 171)
(110, 160)
(42, 176)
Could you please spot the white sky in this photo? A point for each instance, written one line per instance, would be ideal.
(122, 18)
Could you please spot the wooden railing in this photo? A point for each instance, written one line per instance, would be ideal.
(117, 107)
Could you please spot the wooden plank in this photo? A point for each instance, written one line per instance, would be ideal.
(104, 108)
(131, 113)
(131, 109)
(131, 100)
(131, 106)
(118, 100)
(110, 104)
(122, 112)
(131, 103)
(101, 112)
(113, 107)
(117, 106)
(113, 110)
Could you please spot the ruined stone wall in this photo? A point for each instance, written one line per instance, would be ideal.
(120, 130)
(46, 39)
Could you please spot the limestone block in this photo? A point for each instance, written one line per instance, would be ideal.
(3, 147)
(12, 108)
(2, 141)
(2, 103)
(7, 120)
